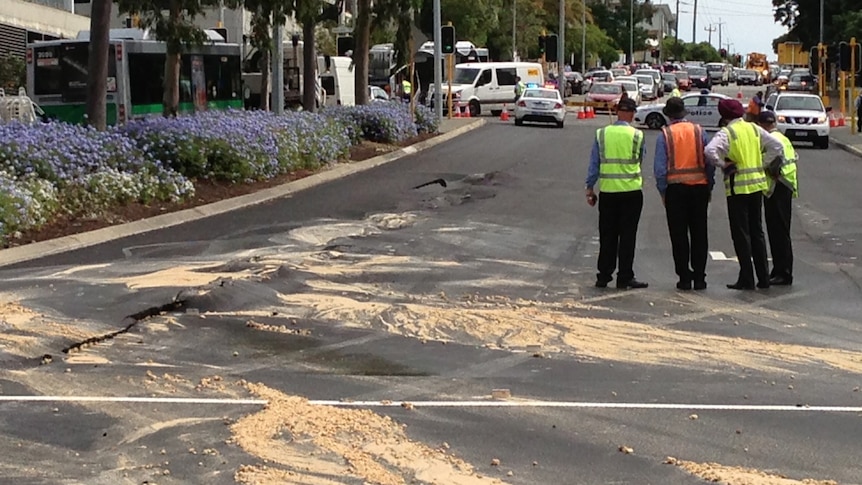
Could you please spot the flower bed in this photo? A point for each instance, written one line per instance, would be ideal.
(60, 170)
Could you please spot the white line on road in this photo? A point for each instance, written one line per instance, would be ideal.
(451, 404)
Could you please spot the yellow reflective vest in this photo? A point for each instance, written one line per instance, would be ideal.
(620, 157)
(406, 87)
(745, 153)
(787, 175)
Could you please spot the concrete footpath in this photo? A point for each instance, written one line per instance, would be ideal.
(448, 129)
(844, 138)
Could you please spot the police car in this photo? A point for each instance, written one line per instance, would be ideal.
(702, 109)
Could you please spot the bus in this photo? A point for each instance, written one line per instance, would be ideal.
(210, 76)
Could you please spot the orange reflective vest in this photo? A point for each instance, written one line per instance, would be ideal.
(753, 107)
(685, 160)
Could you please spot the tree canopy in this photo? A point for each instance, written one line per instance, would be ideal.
(842, 19)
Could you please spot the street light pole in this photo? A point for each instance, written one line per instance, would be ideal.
(821, 21)
(514, 29)
(561, 54)
(584, 37)
(632, 32)
(438, 62)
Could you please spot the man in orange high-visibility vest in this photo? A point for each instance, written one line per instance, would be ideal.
(685, 183)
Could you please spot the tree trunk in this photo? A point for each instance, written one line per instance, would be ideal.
(97, 68)
(362, 48)
(265, 78)
(309, 63)
(171, 100)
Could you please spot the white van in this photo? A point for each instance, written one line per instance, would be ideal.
(337, 79)
(487, 86)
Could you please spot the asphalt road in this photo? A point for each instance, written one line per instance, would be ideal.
(443, 294)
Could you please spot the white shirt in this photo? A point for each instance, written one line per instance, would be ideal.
(717, 148)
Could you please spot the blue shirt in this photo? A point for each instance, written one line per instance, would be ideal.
(593, 170)
(660, 164)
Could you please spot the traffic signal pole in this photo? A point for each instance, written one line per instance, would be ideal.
(854, 48)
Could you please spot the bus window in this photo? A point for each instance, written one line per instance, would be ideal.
(222, 77)
(62, 70)
(146, 76)
(46, 71)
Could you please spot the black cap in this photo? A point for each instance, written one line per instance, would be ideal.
(766, 117)
(675, 109)
(627, 104)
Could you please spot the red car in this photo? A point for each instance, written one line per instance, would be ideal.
(605, 93)
(683, 80)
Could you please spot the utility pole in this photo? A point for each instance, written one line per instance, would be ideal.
(821, 22)
(514, 30)
(710, 29)
(561, 53)
(583, 36)
(438, 62)
(694, 24)
(631, 32)
(720, 23)
(676, 24)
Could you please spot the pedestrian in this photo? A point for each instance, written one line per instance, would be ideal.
(744, 151)
(685, 183)
(777, 206)
(406, 90)
(675, 93)
(859, 113)
(754, 106)
(615, 164)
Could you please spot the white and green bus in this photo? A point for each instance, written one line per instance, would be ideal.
(210, 76)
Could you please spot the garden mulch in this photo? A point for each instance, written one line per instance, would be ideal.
(206, 192)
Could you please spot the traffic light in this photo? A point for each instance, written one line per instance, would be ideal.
(542, 43)
(551, 48)
(814, 58)
(447, 37)
(723, 53)
(844, 56)
(655, 53)
(344, 45)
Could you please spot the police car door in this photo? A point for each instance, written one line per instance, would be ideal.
(703, 109)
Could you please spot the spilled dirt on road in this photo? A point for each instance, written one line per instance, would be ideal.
(732, 475)
(314, 445)
(26, 332)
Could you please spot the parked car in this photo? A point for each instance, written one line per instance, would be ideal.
(683, 80)
(801, 117)
(541, 105)
(699, 77)
(605, 93)
(631, 88)
(576, 82)
(669, 82)
(656, 75)
(702, 109)
(377, 94)
(748, 77)
(648, 86)
(802, 82)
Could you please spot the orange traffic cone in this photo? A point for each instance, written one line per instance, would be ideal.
(833, 123)
(504, 115)
(739, 94)
(841, 118)
(456, 109)
(466, 111)
(591, 112)
(581, 114)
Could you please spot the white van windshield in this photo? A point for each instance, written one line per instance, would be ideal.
(465, 75)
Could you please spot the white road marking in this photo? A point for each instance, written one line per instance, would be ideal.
(453, 404)
(720, 256)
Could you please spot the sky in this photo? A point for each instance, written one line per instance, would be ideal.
(746, 24)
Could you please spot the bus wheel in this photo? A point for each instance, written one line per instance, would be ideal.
(474, 108)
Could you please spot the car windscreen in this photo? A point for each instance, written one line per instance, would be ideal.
(465, 75)
(800, 78)
(606, 89)
(668, 77)
(601, 76)
(696, 71)
(681, 75)
(714, 67)
(806, 103)
(749, 73)
(538, 93)
(629, 86)
(645, 79)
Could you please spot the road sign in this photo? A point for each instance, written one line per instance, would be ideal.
(342, 29)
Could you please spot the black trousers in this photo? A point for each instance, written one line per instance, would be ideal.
(745, 213)
(619, 215)
(685, 206)
(777, 209)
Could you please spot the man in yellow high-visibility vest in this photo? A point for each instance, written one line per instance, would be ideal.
(406, 90)
(782, 190)
(615, 163)
(745, 152)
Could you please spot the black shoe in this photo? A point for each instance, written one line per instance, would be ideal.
(602, 283)
(631, 284)
(683, 285)
(741, 286)
(700, 285)
(781, 281)
(763, 285)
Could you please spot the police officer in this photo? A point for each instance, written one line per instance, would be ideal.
(744, 151)
(520, 87)
(777, 206)
(685, 182)
(615, 163)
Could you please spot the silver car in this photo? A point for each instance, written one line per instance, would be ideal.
(540, 105)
